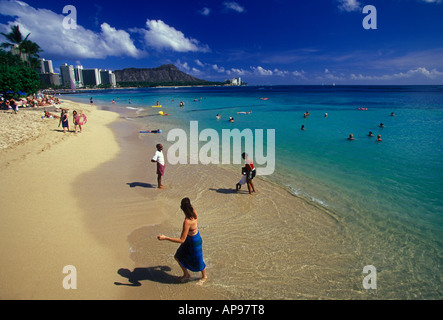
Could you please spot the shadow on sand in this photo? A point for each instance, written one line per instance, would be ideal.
(140, 184)
(224, 190)
(155, 274)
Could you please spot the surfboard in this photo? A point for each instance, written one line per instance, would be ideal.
(157, 106)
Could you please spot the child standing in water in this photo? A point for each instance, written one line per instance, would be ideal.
(250, 172)
(242, 180)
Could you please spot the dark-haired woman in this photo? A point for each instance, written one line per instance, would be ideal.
(190, 254)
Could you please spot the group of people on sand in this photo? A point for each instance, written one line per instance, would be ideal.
(78, 119)
(189, 255)
(32, 101)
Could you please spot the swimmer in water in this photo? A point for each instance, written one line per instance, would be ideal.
(351, 137)
(303, 127)
(379, 138)
(370, 134)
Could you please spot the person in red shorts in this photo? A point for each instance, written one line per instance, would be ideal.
(160, 160)
(250, 172)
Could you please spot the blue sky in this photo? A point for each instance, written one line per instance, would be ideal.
(263, 42)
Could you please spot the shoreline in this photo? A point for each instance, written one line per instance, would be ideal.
(95, 206)
(213, 198)
(102, 215)
(326, 256)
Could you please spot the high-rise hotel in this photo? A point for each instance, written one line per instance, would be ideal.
(75, 77)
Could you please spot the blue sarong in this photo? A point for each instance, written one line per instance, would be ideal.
(190, 253)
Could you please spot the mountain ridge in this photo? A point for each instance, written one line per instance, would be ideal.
(164, 73)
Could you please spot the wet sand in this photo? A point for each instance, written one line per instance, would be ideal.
(269, 245)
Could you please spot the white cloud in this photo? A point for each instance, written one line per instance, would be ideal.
(218, 69)
(161, 36)
(182, 65)
(47, 31)
(349, 5)
(114, 38)
(232, 5)
(299, 74)
(434, 73)
(280, 73)
(199, 63)
(236, 71)
(261, 71)
(413, 73)
(328, 75)
(205, 11)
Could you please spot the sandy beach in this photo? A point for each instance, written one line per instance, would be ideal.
(46, 182)
(42, 228)
(90, 200)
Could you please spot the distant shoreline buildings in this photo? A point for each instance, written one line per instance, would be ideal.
(75, 77)
(235, 82)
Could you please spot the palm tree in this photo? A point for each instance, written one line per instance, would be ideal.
(31, 49)
(15, 38)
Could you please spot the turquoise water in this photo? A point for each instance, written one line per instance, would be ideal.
(389, 193)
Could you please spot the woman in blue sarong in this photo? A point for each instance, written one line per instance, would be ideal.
(190, 254)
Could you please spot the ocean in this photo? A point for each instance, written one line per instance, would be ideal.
(388, 195)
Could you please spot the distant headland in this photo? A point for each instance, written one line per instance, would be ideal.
(165, 75)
